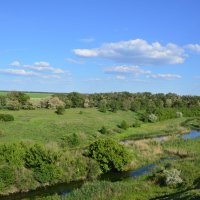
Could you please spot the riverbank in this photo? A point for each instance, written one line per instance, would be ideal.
(65, 188)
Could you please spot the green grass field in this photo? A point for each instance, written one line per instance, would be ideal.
(167, 127)
(44, 125)
(32, 95)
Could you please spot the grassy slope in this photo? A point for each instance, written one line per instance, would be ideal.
(171, 126)
(45, 125)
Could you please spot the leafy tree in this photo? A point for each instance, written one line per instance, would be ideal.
(21, 97)
(102, 106)
(109, 154)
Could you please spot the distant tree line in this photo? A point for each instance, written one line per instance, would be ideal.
(163, 106)
(128, 101)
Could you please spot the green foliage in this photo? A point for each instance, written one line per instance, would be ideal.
(104, 130)
(47, 173)
(21, 97)
(37, 156)
(6, 117)
(124, 125)
(71, 140)
(109, 154)
(136, 124)
(12, 154)
(60, 110)
(13, 105)
(102, 106)
(6, 176)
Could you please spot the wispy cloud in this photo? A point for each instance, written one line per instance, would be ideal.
(87, 40)
(18, 72)
(15, 63)
(137, 52)
(135, 70)
(39, 69)
(74, 61)
(164, 76)
(193, 47)
(44, 66)
(119, 77)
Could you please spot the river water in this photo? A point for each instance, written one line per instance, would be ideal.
(65, 188)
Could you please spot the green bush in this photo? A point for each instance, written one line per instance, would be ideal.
(13, 154)
(6, 117)
(124, 125)
(60, 110)
(104, 130)
(71, 140)
(36, 156)
(6, 177)
(47, 173)
(109, 154)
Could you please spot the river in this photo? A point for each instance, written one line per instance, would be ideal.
(64, 188)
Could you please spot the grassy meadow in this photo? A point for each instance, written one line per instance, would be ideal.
(44, 125)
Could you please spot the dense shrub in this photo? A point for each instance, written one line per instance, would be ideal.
(172, 177)
(6, 117)
(47, 173)
(167, 177)
(13, 105)
(36, 156)
(102, 107)
(104, 130)
(109, 154)
(12, 154)
(124, 125)
(6, 176)
(60, 110)
(71, 140)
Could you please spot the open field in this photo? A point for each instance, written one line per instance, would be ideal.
(32, 95)
(44, 125)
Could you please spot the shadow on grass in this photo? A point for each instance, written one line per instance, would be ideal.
(187, 194)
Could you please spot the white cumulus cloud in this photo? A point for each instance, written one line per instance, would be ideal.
(137, 52)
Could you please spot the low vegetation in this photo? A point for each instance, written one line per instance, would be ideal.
(67, 137)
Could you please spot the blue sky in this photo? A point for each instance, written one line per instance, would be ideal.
(100, 46)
